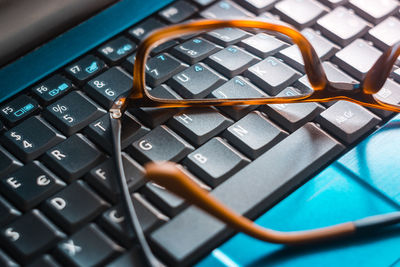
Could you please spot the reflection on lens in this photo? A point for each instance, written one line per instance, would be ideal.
(226, 63)
(389, 93)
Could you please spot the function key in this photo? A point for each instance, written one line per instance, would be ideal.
(386, 33)
(140, 31)
(52, 88)
(30, 235)
(357, 58)
(300, 13)
(109, 85)
(73, 157)
(342, 26)
(88, 247)
(73, 112)
(30, 185)
(227, 36)
(224, 10)
(85, 68)
(194, 50)
(117, 49)
(374, 10)
(177, 12)
(18, 109)
(258, 6)
(27, 144)
(8, 162)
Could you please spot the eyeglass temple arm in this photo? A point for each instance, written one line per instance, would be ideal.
(168, 175)
(377, 75)
(133, 220)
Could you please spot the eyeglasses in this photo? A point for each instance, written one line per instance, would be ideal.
(147, 74)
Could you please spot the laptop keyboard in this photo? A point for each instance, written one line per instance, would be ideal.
(59, 202)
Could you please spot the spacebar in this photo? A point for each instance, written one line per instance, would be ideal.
(250, 192)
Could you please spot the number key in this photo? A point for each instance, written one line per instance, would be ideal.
(73, 112)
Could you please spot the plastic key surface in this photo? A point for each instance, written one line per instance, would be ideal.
(18, 109)
(193, 232)
(85, 68)
(52, 88)
(8, 162)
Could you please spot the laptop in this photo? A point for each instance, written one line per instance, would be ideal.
(288, 167)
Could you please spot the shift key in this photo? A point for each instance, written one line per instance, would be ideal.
(273, 175)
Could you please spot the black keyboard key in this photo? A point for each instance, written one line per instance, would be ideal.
(74, 206)
(103, 177)
(389, 93)
(156, 116)
(348, 121)
(26, 143)
(194, 50)
(161, 68)
(52, 88)
(231, 61)
(374, 10)
(396, 75)
(177, 12)
(6, 261)
(2, 128)
(333, 3)
(292, 116)
(199, 124)
(224, 10)
(342, 26)
(324, 48)
(160, 144)
(99, 131)
(386, 33)
(117, 49)
(258, 6)
(134, 257)
(18, 109)
(215, 161)
(114, 223)
(263, 45)
(163, 47)
(357, 58)
(73, 112)
(272, 75)
(196, 82)
(29, 236)
(227, 36)
(140, 31)
(300, 13)
(193, 232)
(8, 162)
(254, 134)
(73, 157)
(129, 62)
(44, 261)
(238, 87)
(149, 217)
(85, 68)
(108, 86)
(88, 247)
(7, 212)
(165, 200)
(30, 185)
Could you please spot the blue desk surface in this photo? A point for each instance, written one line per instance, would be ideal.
(365, 181)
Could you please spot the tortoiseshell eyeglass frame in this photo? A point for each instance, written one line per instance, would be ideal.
(175, 179)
